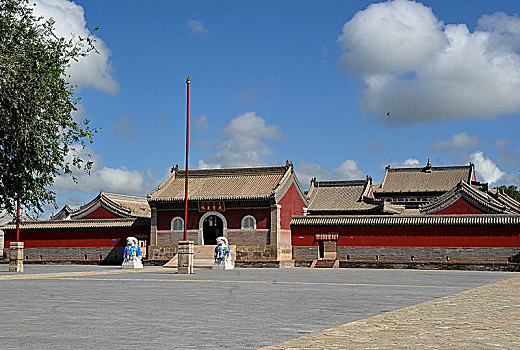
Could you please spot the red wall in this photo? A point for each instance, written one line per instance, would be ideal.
(233, 218)
(460, 207)
(292, 205)
(413, 236)
(75, 239)
(100, 213)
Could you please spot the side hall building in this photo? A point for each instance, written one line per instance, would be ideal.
(92, 233)
(252, 207)
(412, 217)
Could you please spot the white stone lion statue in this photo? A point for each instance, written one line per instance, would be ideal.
(132, 255)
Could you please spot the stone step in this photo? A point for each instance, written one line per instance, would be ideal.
(203, 256)
(325, 264)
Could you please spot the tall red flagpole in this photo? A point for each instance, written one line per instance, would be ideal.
(187, 148)
(18, 220)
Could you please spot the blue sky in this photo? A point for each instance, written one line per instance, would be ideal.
(306, 81)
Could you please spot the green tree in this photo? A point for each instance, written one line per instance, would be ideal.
(511, 191)
(38, 133)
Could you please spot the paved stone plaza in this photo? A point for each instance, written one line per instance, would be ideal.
(100, 307)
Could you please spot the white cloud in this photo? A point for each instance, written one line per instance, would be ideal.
(419, 69)
(508, 179)
(501, 143)
(407, 163)
(307, 170)
(93, 70)
(125, 126)
(411, 162)
(348, 170)
(197, 28)
(509, 158)
(373, 146)
(119, 180)
(390, 36)
(459, 141)
(487, 170)
(202, 122)
(245, 145)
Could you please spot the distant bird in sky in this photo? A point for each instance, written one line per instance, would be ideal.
(388, 115)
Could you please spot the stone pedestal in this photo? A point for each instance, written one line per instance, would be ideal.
(132, 264)
(16, 257)
(185, 257)
(224, 265)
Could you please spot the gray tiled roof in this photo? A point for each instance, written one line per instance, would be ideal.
(401, 220)
(340, 196)
(439, 179)
(83, 224)
(118, 204)
(511, 204)
(64, 213)
(6, 218)
(138, 205)
(221, 184)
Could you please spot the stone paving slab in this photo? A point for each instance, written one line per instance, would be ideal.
(105, 307)
(486, 317)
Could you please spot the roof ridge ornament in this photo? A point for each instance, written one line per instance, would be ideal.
(428, 167)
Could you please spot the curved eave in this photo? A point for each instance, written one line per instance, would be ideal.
(488, 220)
(101, 201)
(470, 195)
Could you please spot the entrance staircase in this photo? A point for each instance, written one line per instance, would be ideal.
(203, 256)
(325, 264)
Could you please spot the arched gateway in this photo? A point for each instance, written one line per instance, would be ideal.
(212, 225)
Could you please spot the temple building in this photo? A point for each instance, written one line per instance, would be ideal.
(434, 217)
(415, 186)
(94, 232)
(252, 207)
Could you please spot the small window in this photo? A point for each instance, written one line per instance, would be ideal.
(248, 223)
(177, 224)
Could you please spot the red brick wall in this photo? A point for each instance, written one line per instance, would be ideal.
(413, 236)
(233, 218)
(100, 213)
(292, 205)
(75, 238)
(460, 207)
